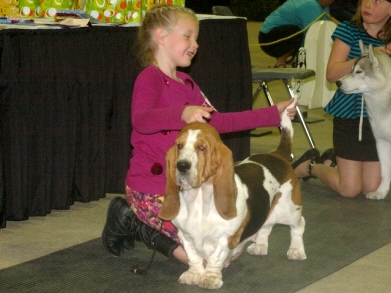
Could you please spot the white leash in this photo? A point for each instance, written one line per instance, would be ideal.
(361, 119)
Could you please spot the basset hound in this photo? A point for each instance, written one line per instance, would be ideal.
(218, 207)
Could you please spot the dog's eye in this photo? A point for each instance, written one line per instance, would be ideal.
(201, 148)
(179, 146)
(358, 71)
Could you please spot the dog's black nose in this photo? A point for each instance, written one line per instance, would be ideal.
(338, 83)
(183, 166)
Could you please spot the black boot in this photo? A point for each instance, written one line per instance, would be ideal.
(153, 238)
(123, 228)
(117, 234)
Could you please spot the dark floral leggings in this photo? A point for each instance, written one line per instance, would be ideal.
(146, 207)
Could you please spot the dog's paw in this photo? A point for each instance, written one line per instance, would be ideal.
(257, 249)
(376, 195)
(211, 281)
(190, 278)
(296, 254)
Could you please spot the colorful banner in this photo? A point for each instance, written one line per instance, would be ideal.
(48, 8)
(9, 8)
(29, 8)
(124, 11)
(118, 11)
(108, 10)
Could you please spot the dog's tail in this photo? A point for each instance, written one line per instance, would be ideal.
(285, 147)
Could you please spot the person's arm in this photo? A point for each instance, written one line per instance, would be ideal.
(338, 65)
(147, 116)
(246, 120)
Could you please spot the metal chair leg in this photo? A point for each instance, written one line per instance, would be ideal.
(264, 86)
(256, 93)
(303, 124)
(267, 93)
(262, 132)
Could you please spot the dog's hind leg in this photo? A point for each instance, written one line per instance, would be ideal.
(384, 150)
(296, 249)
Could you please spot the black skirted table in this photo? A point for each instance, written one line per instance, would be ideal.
(65, 107)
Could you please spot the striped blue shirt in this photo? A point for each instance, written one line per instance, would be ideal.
(343, 105)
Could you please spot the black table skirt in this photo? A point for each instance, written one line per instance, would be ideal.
(65, 106)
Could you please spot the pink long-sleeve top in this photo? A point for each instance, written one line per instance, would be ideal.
(157, 105)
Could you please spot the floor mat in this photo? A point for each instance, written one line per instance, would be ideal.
(338, 232)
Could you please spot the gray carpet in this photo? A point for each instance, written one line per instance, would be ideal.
(339, 231)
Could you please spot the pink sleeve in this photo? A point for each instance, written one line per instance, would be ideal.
(147, 116)
(154, 109)
(240, 121)
(246, 120)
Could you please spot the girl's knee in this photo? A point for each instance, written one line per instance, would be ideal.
(350, 193)
(373, 186)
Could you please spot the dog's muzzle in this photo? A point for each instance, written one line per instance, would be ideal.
(184, 179)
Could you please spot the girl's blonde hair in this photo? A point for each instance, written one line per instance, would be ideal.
(160, 16)
(384, 34)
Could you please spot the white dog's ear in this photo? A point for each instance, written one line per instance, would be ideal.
(362, 47)
(171, 203)
(372, 57)
(224, 186)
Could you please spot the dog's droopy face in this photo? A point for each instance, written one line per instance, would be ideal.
(191, 152)
(199, 158)
(195, 155)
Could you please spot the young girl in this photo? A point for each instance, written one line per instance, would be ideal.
(358, 166)
(164, 100)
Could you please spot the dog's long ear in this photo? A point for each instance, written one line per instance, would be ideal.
(372, 56)
(170, 207)
(225, 191)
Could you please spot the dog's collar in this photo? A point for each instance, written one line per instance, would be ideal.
(361, 56)
(358, 59)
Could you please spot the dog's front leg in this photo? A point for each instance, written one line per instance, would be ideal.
(196, 264)
(212, 278)
(384, 151)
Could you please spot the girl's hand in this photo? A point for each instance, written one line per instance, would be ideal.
(291, 110)
(196, 114)
(386, 49)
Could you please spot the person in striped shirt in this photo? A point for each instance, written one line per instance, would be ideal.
(358, 167)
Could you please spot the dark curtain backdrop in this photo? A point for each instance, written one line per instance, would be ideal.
(205, 6)
(65, 106)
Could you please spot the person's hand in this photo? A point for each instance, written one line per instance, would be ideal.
(386, 49)
(196, 114)
(290, 104)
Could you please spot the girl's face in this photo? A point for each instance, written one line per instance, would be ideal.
(180, 44)
(375, 11)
